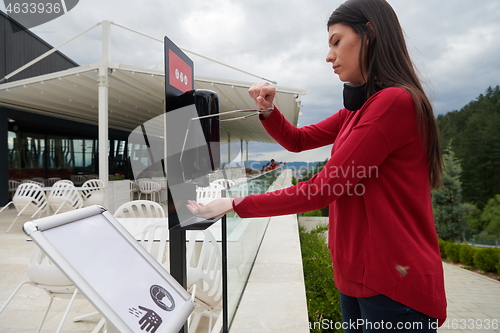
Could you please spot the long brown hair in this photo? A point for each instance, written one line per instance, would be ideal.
(385, 56)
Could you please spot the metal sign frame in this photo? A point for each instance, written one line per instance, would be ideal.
(118, 276)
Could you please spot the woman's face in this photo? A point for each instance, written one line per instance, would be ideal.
(344, 46)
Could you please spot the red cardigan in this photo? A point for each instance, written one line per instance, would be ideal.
(382, 236)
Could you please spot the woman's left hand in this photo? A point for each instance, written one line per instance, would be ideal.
(215, 208)
(263, 95)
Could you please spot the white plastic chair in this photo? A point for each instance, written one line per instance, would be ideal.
(134, 188)
(140, 208)
(78, 179)
(149, 187)
(13, 185)
(205, 195)
(238, 190)
(64, 197)
(67, 181)
(154, 238)
(204, 277)
(51, 181)
(160, 180)
(95, 194)
(226, 183)
(143, 179)
(29, 199)
(42, 273)
(29, 181)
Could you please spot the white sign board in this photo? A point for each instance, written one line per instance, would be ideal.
(125, 283)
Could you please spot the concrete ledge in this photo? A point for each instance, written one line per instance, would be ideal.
(274, 299)
(311, 222)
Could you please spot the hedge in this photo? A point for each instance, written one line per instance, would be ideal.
(442, 244)
(485, 259)
(453, 252)
(323, 298)
(467, 254)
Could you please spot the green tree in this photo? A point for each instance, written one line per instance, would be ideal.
(449, 211)
(308, 174)
(491, 215)
(476, 142)
(473, 217)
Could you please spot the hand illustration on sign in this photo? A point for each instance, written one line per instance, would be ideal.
(150, 321)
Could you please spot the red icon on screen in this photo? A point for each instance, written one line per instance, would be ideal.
(181, 74)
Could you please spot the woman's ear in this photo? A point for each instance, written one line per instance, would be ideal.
(371, 32)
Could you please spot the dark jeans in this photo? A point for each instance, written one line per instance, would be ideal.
(380, 314)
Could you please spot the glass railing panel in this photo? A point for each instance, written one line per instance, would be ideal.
(244, 237)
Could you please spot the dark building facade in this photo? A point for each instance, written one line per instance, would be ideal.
(33, 145)
(19, 46)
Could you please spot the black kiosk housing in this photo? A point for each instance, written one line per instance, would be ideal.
(188, 167)
(193, 151)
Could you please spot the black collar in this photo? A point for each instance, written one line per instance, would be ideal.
(354, 97)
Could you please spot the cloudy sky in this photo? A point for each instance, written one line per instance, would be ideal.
(454, 44)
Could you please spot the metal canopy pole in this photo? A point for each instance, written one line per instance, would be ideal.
(247, 163)
(103, 80)
(225, 307)
(228, 149)
(241, 152)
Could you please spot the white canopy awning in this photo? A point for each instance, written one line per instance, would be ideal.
(135, 95)
(113, 95)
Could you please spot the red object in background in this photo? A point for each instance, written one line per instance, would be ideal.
(180, 73)
(271, 166)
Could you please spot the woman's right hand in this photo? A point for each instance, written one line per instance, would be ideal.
(263, 95)
(211, 210)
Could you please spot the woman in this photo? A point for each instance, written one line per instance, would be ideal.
(384, 162)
